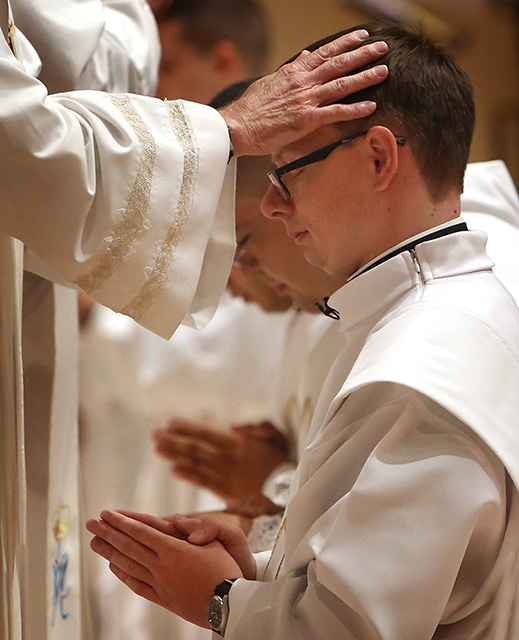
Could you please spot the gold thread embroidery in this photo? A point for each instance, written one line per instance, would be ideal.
(133, 219)
(11, 30)
(279, 567)
(61, 514)
(281, 530)
(165, 256)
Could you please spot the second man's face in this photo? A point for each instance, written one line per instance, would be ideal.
(271, 253)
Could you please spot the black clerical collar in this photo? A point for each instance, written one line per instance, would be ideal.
(407, 246)
(444, 230)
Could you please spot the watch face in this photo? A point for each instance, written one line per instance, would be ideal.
(216, 612)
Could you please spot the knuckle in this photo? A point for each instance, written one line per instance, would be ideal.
(287, 71)
(327, 51)
(336, 64)
(366, 52)
(210, 525)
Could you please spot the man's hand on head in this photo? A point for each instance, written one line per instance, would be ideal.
(298, 98)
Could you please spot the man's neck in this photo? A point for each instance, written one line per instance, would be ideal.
(451, 226)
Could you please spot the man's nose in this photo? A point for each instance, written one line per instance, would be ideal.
(273, 205)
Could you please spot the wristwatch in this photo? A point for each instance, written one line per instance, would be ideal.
(218, 606)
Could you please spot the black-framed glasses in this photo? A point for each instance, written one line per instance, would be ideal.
(316, 156)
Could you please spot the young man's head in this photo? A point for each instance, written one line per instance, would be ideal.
(399, 174)
(265, 252)
(209, 44)
(428, 97)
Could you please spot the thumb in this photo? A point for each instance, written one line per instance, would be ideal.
(231, 537)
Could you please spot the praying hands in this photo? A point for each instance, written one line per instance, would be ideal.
(174, 562)
(233, 465)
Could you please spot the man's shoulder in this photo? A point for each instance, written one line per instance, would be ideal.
(465, 318)
(462, 360)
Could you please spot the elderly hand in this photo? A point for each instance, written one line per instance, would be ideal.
(233, 465)
(298, 98)
(175, 573)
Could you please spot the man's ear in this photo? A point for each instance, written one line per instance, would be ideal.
(383, 150)
(227, 62)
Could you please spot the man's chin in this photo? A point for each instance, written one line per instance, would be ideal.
(314, 258)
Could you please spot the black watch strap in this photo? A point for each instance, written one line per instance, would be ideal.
(224, 587)
(218, 607)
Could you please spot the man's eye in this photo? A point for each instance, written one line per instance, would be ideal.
(243, 241)
(241, 245)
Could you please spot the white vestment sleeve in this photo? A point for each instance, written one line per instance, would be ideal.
(365, 557)
(111, 45)
(490, 203)
(123, 196)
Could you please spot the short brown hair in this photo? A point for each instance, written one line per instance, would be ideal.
(427, 97)
(243, 22)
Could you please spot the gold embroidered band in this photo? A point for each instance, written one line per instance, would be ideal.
(133, 220)
(158, 274)
(280, 533)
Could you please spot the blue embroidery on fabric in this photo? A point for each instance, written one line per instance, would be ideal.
(60, 563)
(61, 591)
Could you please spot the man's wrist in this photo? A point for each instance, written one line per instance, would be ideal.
(236, 128)
(218, 606)
(231, 147)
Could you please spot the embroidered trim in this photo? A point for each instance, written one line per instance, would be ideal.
(60, 563)
(133, 218)
(297, 417)
(280, 532)
(11, 30)
(158, 275)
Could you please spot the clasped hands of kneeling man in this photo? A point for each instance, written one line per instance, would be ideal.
(234, 465)
(177, 561)
(174, 562)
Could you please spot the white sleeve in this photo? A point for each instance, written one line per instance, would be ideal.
(393, 532)
(126, 197)
(110, 45)
(490, 203)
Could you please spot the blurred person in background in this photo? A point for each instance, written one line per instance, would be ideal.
(208, 45)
